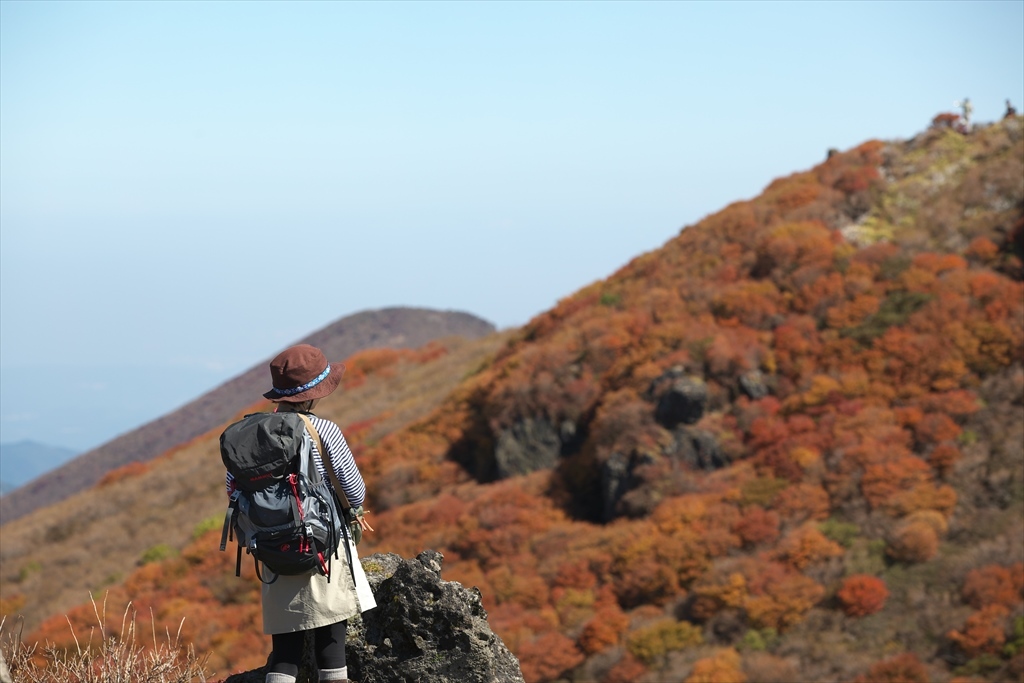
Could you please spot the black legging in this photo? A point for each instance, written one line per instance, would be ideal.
(329, 645)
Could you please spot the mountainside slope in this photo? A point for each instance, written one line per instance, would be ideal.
(385, 328)
(142, 512)
(786, 446)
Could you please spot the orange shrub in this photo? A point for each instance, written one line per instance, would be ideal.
(807, 546)
(983, 249)
(991, 585)
(10, 606)
(857, 179)
(722, 667)
(371, 362)
(132, 469)
(983, 632)
(641, 573)
(574, 574)
(908, 416)
(938, 263)
(946, 119)
(781, 601)
(862, 595)
(628, 669)
(914, 542)
(904, 668)
(546, 658)
(944, 456)
(986, 285)
(882, 481)
(924, 496)
(936, 428)
(933, 518)
(607, 625)
(432, 351)
(803, 501)
(958, 403)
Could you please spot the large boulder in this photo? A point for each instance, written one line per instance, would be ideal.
(423, 629)
(681, 400)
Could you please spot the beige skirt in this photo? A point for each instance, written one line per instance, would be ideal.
(297, 603)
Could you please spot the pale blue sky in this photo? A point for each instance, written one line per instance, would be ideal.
(187, 187)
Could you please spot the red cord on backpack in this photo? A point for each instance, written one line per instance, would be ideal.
(293, 479)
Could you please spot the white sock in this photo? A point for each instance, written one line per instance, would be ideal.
(333, 674)
(274, 677)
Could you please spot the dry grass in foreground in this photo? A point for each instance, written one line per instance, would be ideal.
(117, 657)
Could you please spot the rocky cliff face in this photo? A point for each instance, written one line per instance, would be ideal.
(423, 629)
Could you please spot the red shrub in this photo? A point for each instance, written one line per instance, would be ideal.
(946, 119)
(757, 526)
(862, 595)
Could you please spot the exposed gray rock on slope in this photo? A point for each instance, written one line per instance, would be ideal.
(683, 402)
(527, 446)
(423, 629)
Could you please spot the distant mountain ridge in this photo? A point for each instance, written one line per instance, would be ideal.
(398, 327)
(22, 461)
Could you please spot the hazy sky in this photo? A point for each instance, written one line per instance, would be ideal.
(187, 187)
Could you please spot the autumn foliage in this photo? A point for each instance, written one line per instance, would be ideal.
(862, 595)
(843, 364)
(904, 668)
(994, 585)
(982, 632)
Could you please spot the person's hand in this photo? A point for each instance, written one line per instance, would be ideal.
(363, 524)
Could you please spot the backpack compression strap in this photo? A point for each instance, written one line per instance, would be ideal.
(325, 458)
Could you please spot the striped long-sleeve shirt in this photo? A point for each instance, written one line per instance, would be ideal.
(341, 457)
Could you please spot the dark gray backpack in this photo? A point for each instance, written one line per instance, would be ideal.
(283, 512)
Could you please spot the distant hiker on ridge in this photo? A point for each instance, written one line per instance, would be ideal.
(299, 515)
(967, 109)
(1010, 110)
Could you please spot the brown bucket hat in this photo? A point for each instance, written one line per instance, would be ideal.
(302, 373)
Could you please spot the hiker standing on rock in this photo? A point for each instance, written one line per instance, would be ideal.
(313, 601)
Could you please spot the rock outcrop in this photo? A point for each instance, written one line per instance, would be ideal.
(697, 449)
(423, 629)
(527, 446)
(753, 384)
(681, 398)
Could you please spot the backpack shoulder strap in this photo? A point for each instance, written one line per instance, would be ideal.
(325, 457)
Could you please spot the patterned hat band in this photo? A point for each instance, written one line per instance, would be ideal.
(305, 387)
